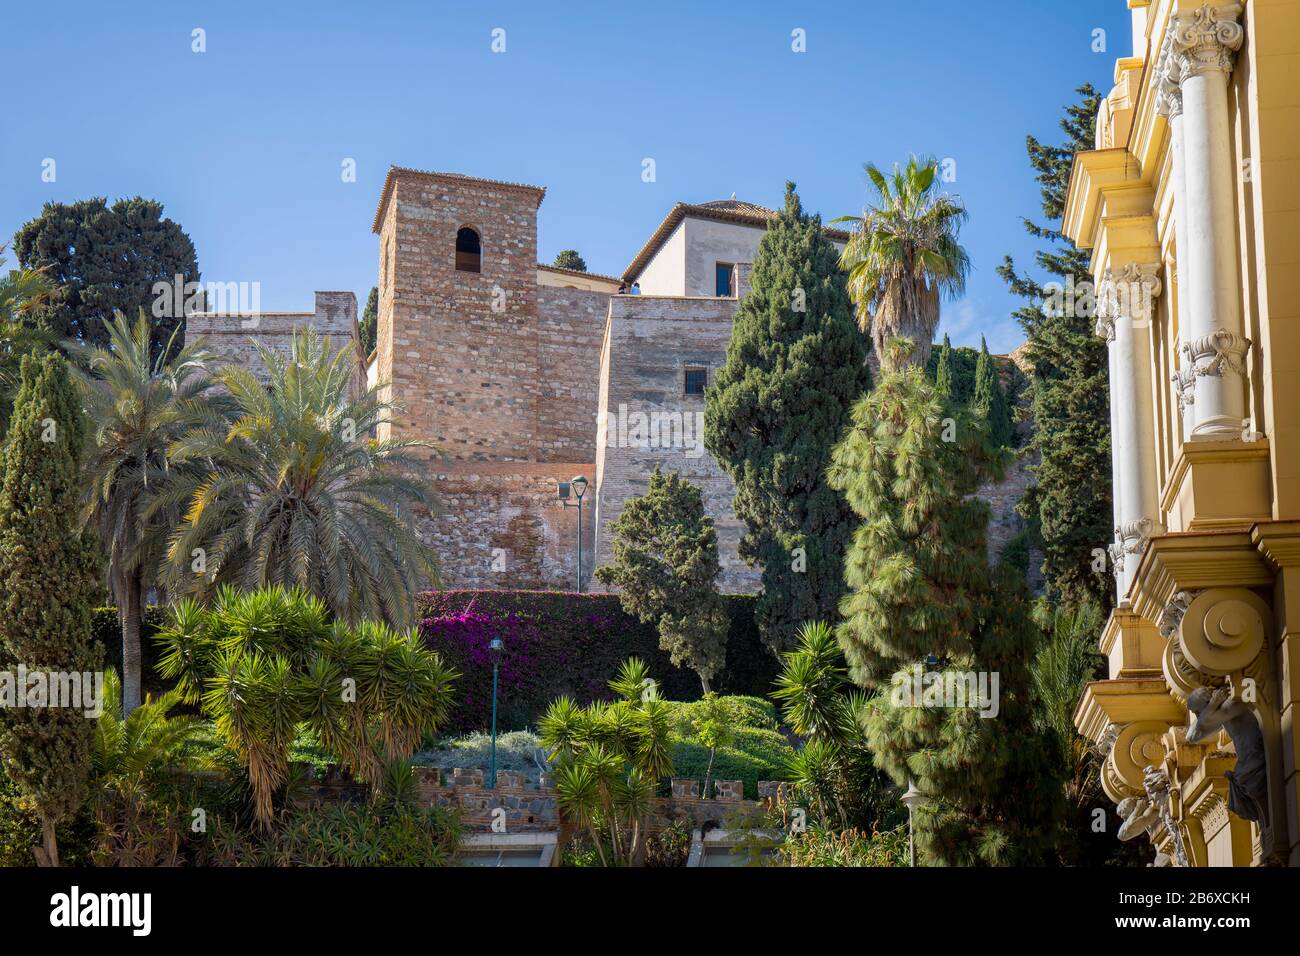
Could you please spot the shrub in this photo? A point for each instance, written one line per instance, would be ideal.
(824, 847)
(560, 643)
(756, 755)
(518, 751)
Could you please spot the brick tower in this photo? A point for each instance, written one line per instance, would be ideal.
(458, 333)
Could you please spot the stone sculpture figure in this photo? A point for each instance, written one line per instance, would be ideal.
(1215, 710)
(1156, 783)
(1139, 815)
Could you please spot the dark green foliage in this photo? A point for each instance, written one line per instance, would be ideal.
(991, 399)
(755, 755)
(20, 830)
(569, 259)
(1070, 504)
(665, 565)
(961, 371)
(922, 595)
(943, 370)
(103, 259)
(834, 775)
(563, 643)
(106, 629)
(48, 573)
(795, 366)
(370, 323)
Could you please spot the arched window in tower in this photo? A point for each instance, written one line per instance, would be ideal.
(469, 253)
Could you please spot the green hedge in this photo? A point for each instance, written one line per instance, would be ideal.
(559, 642)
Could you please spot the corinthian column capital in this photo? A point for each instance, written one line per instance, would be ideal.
(1207, 40)
(1168, 76)
(1128, 292)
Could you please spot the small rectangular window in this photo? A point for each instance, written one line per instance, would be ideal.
(696, 380)
(725, 273)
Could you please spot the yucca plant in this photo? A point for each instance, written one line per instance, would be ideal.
(903, 257)
(609, 760)
(833, 771)
(300, 495)
(270, 662)
(139, 403)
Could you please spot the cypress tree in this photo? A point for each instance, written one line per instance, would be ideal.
(795, 365)
(923, 600)
(943, 373)
(991, 399)
(48, 575)
(1070, 501)
(666, 567)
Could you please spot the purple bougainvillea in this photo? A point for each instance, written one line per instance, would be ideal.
(560, 642)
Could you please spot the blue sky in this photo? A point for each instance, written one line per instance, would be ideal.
(244, 143)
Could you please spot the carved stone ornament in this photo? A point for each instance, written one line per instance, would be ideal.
(1158, 791)
(1218, 709)
(1223, 630)
(1184, 380)
(1207, 40)
(1173, 612)
(1169, 74)
(1211, 354)
(1131, 537)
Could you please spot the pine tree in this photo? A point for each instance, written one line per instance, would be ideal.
(991, 399)
(666, 567)
(943, 374)
(48, 576)
(795, 366)
(104, 259)
(922, 596)
(1070, 502)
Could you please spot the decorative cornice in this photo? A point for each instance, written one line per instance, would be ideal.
(1206, 40)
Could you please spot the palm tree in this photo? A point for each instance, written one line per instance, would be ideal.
(139, 405)
(1066, 662)
(300, 496)
(132, 748)
(903, 257)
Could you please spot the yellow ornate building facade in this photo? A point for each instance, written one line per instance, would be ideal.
(1190, 206)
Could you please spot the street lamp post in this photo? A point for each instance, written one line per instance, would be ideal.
(914, 799)
(494, 651)
(578, 485)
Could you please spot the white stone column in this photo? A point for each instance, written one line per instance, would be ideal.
(1125, 306)
(1169, 103)
(1214, 347)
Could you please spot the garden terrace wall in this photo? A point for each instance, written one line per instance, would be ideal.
(563, 643)
(535, 809)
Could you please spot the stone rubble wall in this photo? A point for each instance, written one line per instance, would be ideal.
(501, 525)
(233, 337)
(651, 340)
